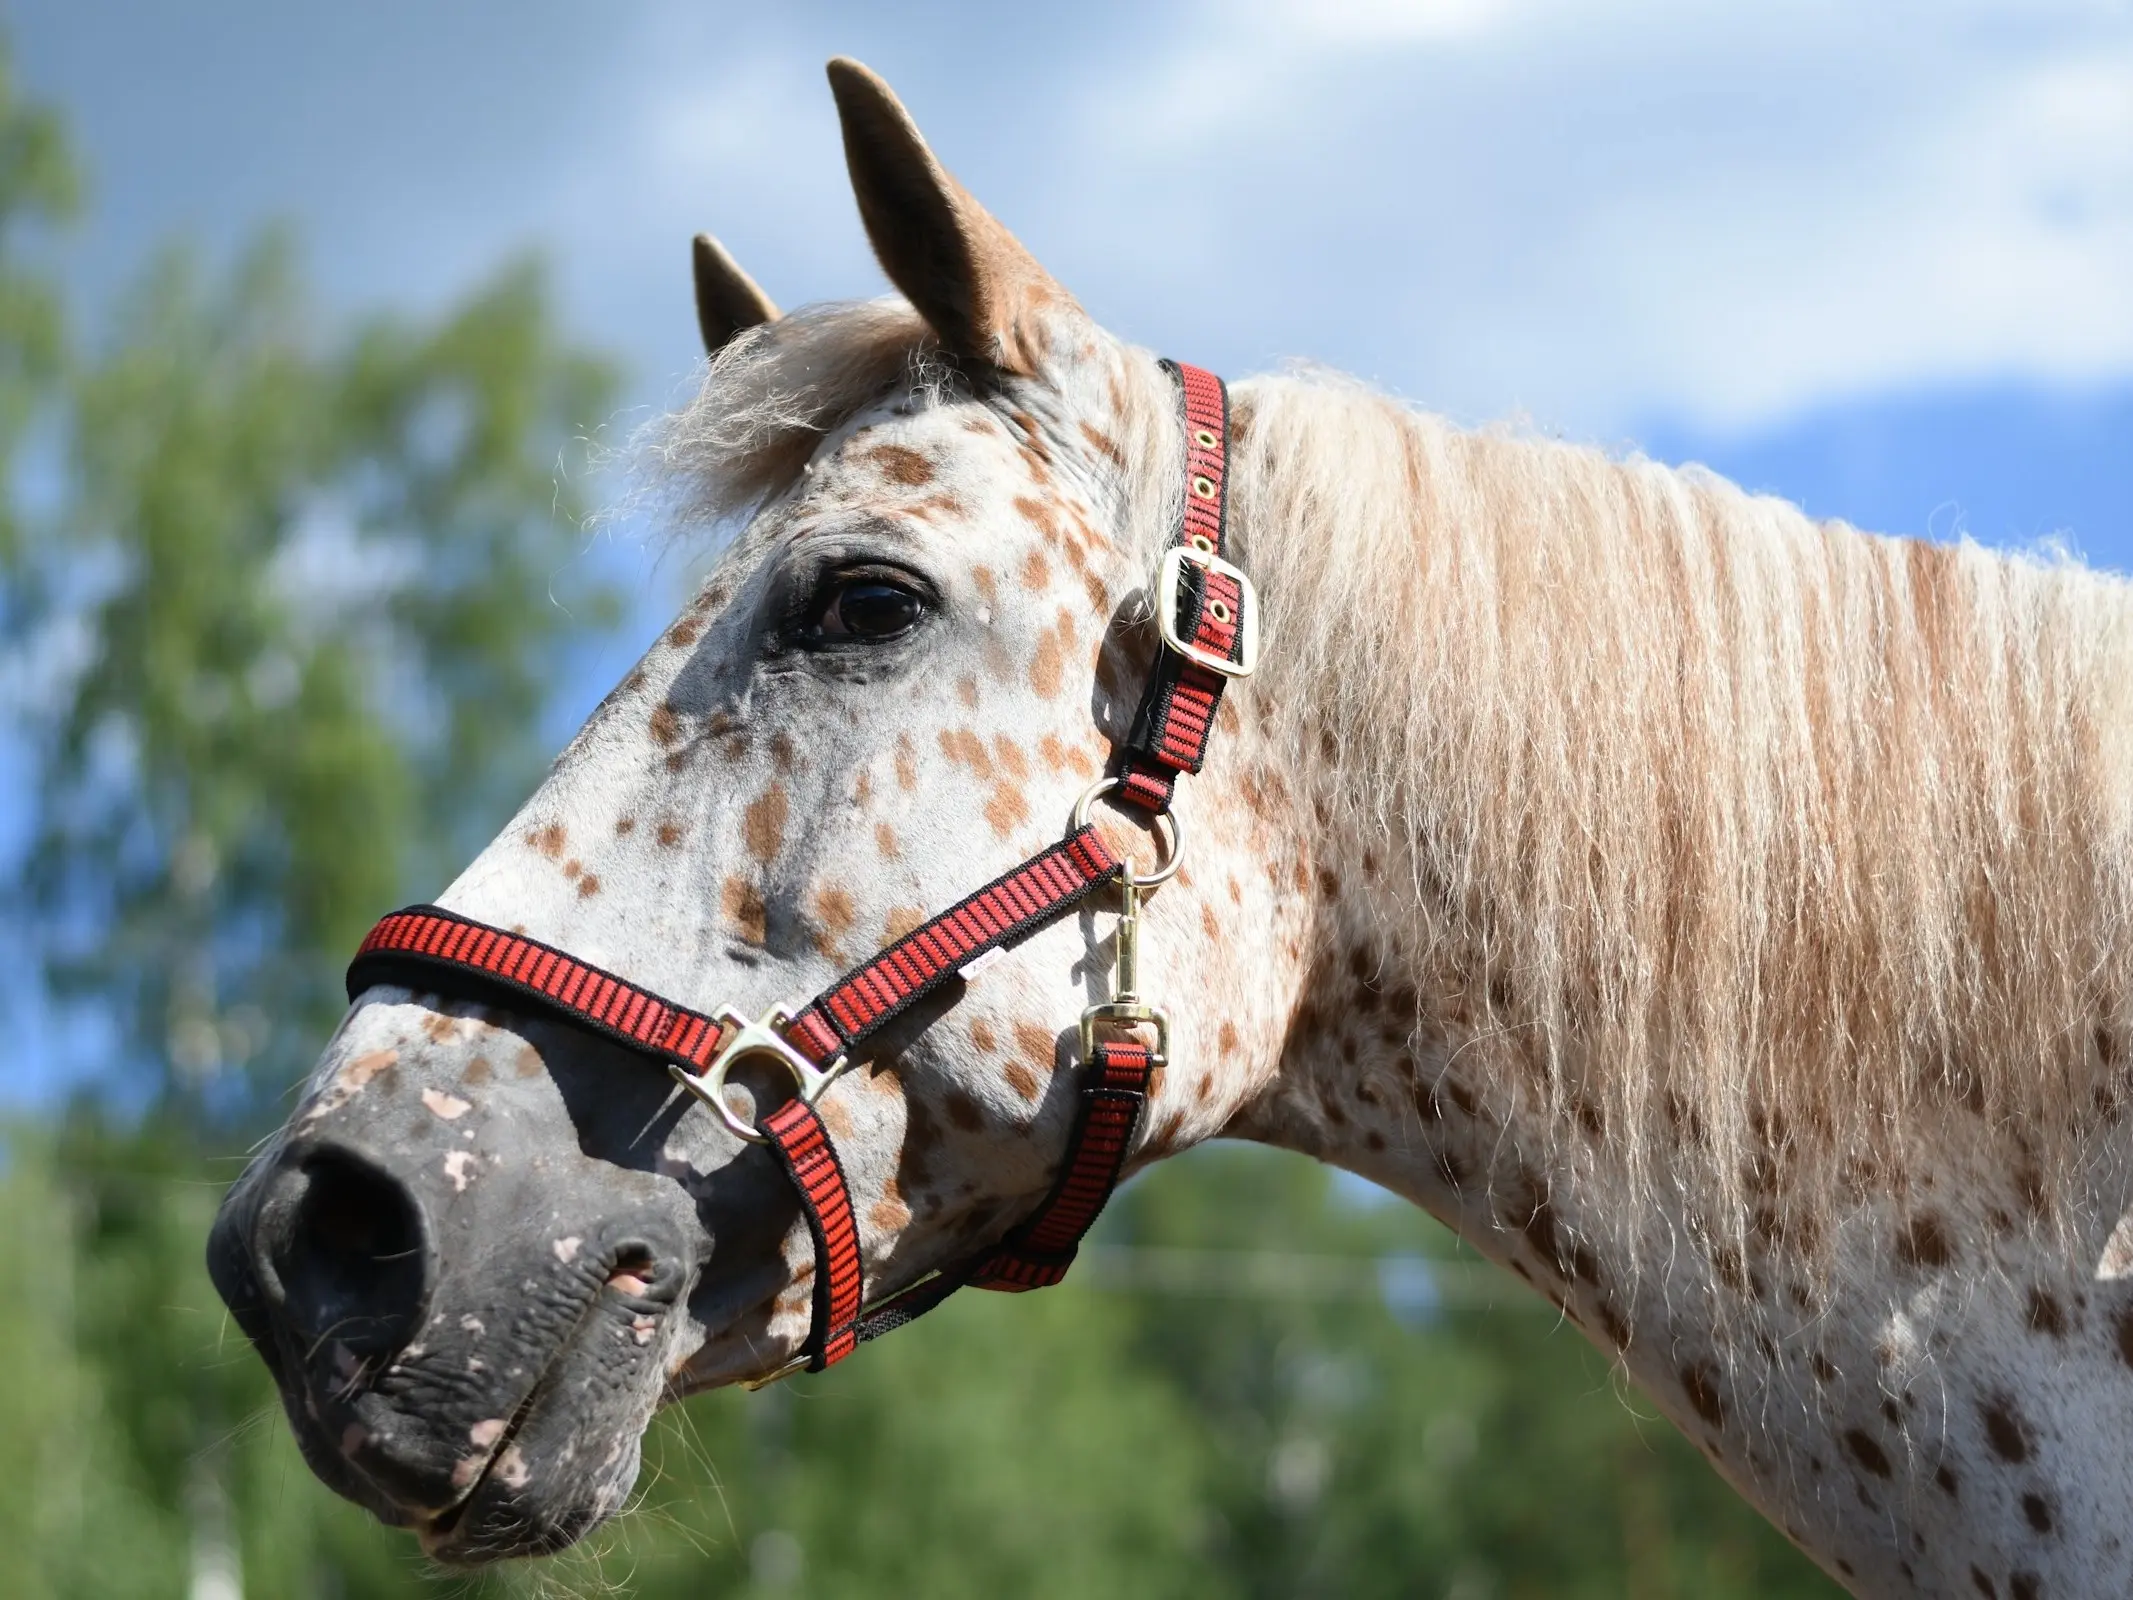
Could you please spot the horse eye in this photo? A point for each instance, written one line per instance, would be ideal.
(863, 608)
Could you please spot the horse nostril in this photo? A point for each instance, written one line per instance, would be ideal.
(344, 1244)
(634, 1271)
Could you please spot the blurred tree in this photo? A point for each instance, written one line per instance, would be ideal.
(309, 580)
(38, 187)
(1273, 1434)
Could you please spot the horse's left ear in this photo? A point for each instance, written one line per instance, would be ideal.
(727, 299)
(966, 274)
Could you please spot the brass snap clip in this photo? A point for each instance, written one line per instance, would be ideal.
(743, 1039)
(1126, 1007)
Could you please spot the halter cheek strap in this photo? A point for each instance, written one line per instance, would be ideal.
(1206, 614)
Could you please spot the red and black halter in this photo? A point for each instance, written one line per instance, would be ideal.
(1205, 612)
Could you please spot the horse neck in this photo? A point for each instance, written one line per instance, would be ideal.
(1911, 1352)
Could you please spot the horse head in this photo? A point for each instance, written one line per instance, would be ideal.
(488, 1244)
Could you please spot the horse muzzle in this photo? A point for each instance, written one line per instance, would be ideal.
(466, 1340)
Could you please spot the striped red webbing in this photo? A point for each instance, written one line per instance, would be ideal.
(424, 942)
(804, 1150)
(999, 916)
(1038, 1253)
(1177, 713)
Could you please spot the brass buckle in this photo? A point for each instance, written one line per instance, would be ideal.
(1170, 583)
(1126, 1012)
(744, 1039)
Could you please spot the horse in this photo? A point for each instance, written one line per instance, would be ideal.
(1719, 918)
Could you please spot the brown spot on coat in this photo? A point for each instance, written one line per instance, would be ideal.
(833, 909)
(988, 586)
(2039, 1512)
(1038, 514)
(966, 749)
(2046, 1315)
(1925, 1242)
(1036, 575)
(900, 464)
(966, 690)
(1022, 1080)
(906, 765)
(763, 823)
(573, 867)
(1037, 1046)
(1047, 668)
(670, 834)
(1059, 756)
(743, 905)
(1010, 757)
(1007, 810)
(963, 1111)
(548, 840)
(885, 841)
(2006, 1430)
(684, 632)
(899, 922)
(588, 886)
(1866, 1450)
(1104, 445)
(1699, 1381)
(981, 1036)
(666, 726)
(888, 1214)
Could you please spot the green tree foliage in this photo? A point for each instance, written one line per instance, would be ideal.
(311, 578)
(292, 599)
(38, 187)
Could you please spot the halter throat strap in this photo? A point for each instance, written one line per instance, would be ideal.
(1206, 613)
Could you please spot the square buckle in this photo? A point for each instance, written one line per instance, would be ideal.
(1170, 583)
(1125, 1013)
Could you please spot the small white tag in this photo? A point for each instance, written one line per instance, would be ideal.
(969, 972)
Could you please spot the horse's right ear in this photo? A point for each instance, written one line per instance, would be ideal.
(964, 273)
(727, 299)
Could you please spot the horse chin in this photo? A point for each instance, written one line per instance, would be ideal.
(522, 1506)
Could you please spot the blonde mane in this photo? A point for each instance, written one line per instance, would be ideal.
(1732, 834)
(1729, 831)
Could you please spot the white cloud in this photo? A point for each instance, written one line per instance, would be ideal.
(1599, 214)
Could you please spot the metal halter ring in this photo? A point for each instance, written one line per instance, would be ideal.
(743, 1040)
(1167, 825)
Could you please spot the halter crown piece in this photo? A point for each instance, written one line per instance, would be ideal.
(1207, 613)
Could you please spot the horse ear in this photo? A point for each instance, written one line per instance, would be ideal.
(727, 299)
(966, 274)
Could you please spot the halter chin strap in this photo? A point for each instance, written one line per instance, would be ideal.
(1207, 615)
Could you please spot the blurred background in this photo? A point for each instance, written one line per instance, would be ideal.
(314, 323)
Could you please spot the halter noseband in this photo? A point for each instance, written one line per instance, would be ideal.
(1207, 614)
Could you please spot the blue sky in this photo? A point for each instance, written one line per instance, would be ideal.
(1877, 258)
